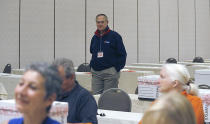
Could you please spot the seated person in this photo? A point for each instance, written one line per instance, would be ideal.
(198, 60)
(82, 105)
(35, 93)
(171, 60)
(176, 77)
(171, 108)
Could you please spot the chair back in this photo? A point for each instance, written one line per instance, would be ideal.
(115, 99)
(7, 69)
(136, 90)
(85, 67)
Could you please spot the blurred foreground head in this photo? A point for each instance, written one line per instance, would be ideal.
(171, 108)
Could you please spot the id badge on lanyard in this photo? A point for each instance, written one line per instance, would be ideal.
(100, 54)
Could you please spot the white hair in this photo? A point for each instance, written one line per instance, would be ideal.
(180, 73)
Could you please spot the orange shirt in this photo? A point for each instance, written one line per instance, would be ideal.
(197, 107)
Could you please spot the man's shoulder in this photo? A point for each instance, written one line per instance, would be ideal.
(84, 95)
(82, 91)
(115, 34)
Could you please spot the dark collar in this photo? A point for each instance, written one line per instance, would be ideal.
(107, 30)
(67, 93)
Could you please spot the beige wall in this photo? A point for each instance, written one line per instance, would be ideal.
(152, 30)
(9, 33)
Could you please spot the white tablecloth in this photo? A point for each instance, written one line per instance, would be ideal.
(127, 82)
(148, 64)
(9, 82)
(59, 113)
(18, 71)
(128, 79)
(84, 79)
(3, 92)
(117, 117)
(156, 70)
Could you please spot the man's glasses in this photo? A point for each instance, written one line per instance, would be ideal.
(98, 22)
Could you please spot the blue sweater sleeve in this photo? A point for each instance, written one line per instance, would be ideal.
(88, 109)
(121, 52)
(91, 49)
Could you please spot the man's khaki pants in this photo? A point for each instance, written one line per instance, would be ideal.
(104, 79)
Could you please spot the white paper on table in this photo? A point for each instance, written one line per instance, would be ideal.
(148, 91)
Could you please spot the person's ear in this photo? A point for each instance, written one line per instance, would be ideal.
(72, 77)
(175, 83)
(51, 99)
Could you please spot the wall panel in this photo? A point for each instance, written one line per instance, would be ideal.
(202, 28)
(36, 31)
(168, 29)
(70, 30)
(125, 23)
(9, 33)
(186, 30)
(148, 30)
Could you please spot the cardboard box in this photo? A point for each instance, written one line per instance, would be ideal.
(202, 77)
(205, 96)
(148, 87)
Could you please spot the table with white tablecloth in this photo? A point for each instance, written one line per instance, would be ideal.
(156, 70)
(9, 82)
(84, 79)
(127, 81)
(18, 71)
(148, 64)
(3, 92)
(59, 112)
(118, 117)
(21, 71)
(153, 66)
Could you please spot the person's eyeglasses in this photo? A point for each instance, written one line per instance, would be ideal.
(100, 22)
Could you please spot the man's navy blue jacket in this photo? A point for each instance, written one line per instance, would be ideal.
(114, 53)
(82, 105)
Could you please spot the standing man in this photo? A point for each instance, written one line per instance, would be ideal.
(108, 56)
(82, 105)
